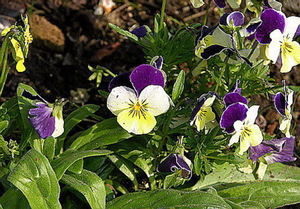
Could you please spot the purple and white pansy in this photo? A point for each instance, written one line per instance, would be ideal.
(46, 118)
(137, 97)
(283, 103)
(176, 162)
(238, 119)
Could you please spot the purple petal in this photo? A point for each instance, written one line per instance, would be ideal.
(236, 87)
(200, 103)
(140, 31)
(236, 17)
(212, 51)
(120, 80)
(205, 31)
(145, 75)
(43, 122)
(251, 28)
(277, 150)
(173, 163)
(280, 103)
(271, 20)
(234, 112)
(158, 63)
(297, 33)
(220, 3)
(223, 19)
(234, 97)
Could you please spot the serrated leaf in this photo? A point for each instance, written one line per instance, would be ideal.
(104, 133)
(61, 164)
(169, 199)
(90, 185)
(126, 33)
(178, 86)
(34, 176)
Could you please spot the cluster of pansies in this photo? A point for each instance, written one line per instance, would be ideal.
(272, 30)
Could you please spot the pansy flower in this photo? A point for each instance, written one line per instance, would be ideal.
(283, 103)
(213, 41)
(46, 118)
(137, 97)
(282, 45)
(239, 119)
(140, 32)
(203, 113)
(176, 162)
(275, 150)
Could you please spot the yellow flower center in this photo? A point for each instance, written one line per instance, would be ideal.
(138, 110)
(246, 132)
(286, 47)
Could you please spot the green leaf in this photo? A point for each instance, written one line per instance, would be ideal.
(34, 176)
(104, 133)
(90, 185)
(169, 199)
(61, 164)
(126, 33)
(224, 173)
(271, 194)
(13, 199)
(76, 167)
(49, 147)
(178, 86)
(125, 167)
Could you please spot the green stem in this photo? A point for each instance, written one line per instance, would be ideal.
(3, 63)
(206, 13)
(162, 14)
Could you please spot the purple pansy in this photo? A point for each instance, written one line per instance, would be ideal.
(43, 121)
(173, 163)
(232, 19)
(270, 21)
(140, 31)
(275, 150)
(46, 119)
(137, 97)
(234, 112)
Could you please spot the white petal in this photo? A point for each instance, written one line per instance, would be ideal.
(291, 26)
(251, 114)
(119, 99)
(234, 139)
(156, 99)
(219, 37)
(59, 127)
(273, 49)
(209, 101)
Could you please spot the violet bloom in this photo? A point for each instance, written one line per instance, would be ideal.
(140, 32)
(283, 103)
(137, 97)
(233, 19)
(46, 118)
(239, 120)
(275, 150)
(213, 41)
(175, 162)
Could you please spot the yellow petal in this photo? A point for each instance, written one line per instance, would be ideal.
(59, 127)
(285, 125)
(20, 66)
(136, 123)
(250, 136)
(290, 55)
(5, 31)
(204, 116)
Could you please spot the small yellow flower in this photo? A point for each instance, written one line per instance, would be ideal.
(18, 55)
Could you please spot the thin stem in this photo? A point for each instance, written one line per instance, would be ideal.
(206, 13)
(162, 14)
